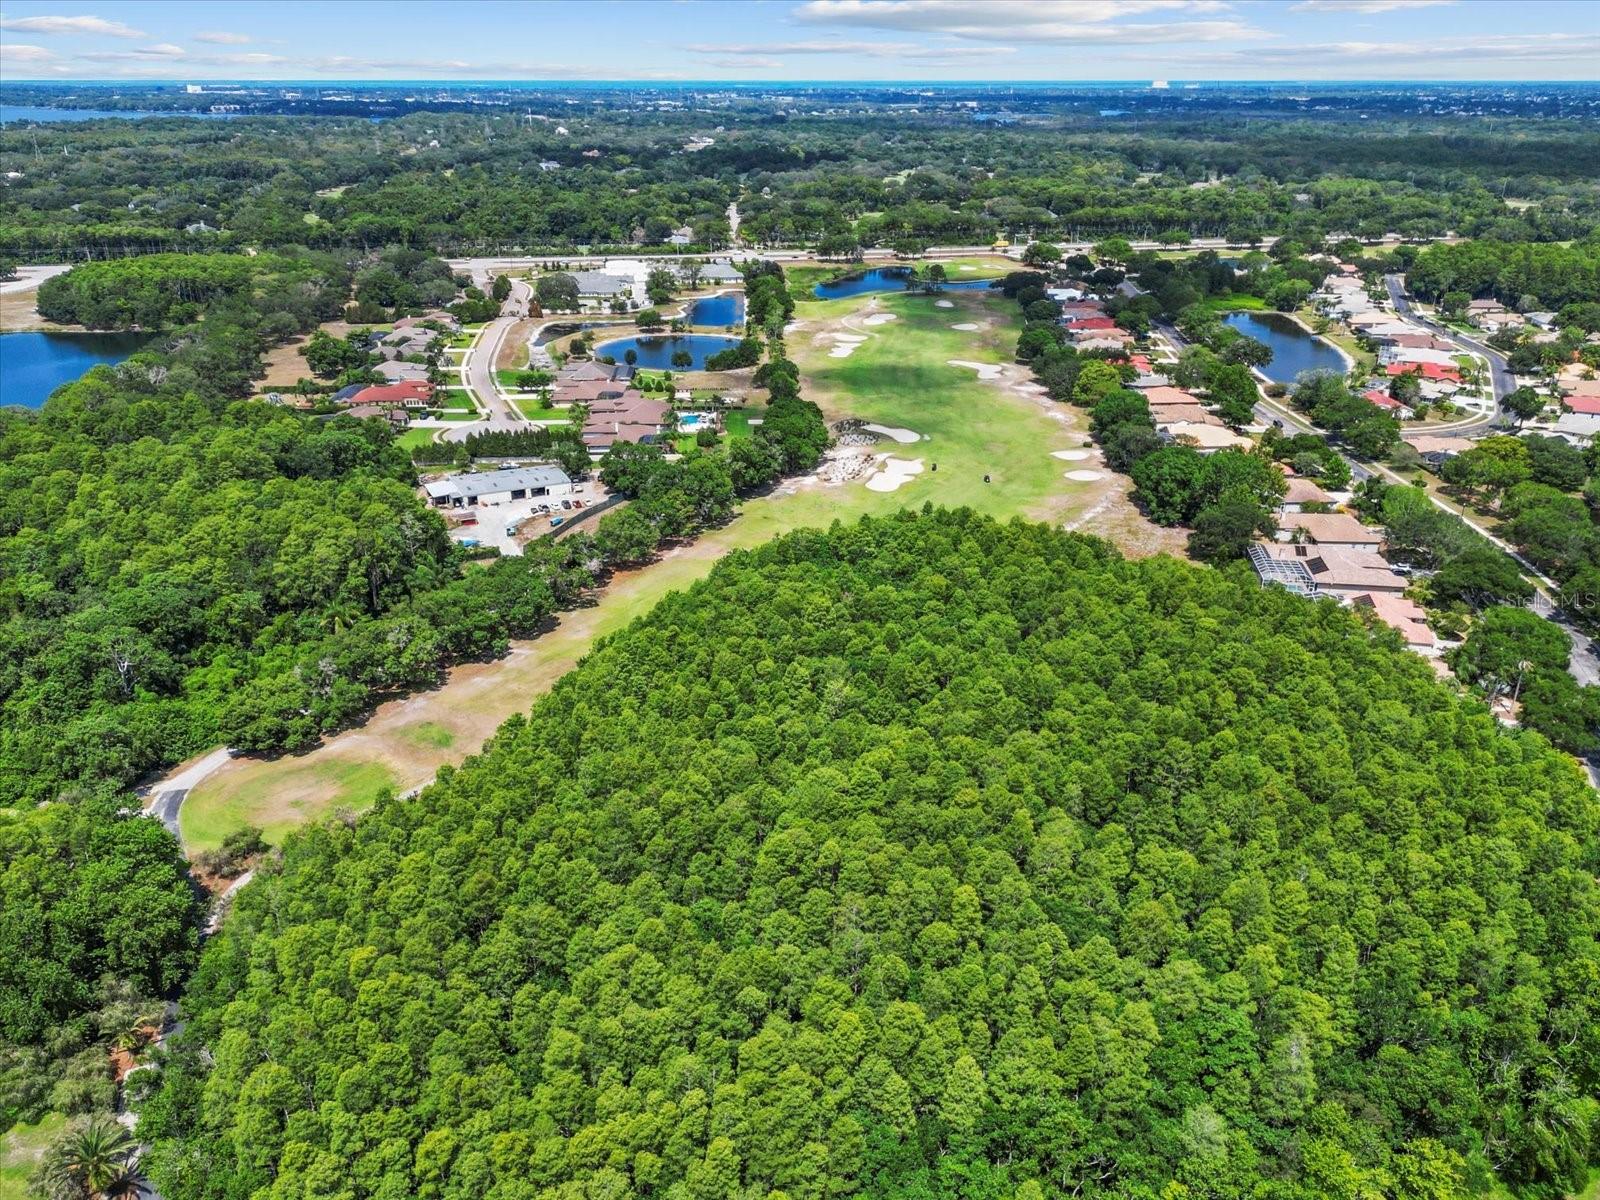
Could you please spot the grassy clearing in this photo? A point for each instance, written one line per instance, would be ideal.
(21, 1148)
(429, 734)
(1216, 306)
(899, 376)
(297, 791)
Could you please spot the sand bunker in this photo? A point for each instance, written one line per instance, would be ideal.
(895, 472)
(965, 267)
(984, 370)
(879, 319)
(967, 326)
(1084, 476)
(944, 303)
(893, 431)
(844, 344)
(1072, 455)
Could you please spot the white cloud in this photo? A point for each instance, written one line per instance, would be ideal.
(1094, 21)
(17, 52)
(71, 25)
(159, 52)
(749, 62)
(1440, 55)
(1363, 6)
(218, 38)
(902, 50)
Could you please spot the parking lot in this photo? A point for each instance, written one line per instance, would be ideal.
(508, 525)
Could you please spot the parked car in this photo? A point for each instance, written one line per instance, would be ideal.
(554, 521)
(469, 543)
(567, 504)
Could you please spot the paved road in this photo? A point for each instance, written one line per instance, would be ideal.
(479, 374)
(29, 278)
(165, 797)
(1499, 369)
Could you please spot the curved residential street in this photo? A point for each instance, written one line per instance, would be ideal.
(1499, 370)
(478, 370)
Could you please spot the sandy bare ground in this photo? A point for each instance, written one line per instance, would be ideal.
(19, 313)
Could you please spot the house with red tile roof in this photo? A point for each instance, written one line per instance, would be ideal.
(1425, 369)
(410, 393)
(1389, 404)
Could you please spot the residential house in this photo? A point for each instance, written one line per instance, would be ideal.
(498, 487)
(1206, 438)
(1104, 341)
(434, 317)
(1389, 404)
(630, 416)
(402, 372)
(1339, 531)
(1157, 397)
(1303, 491)
(1336, 572)
(1426, 370)
(1401, 614)
(410, 394)
(395, 416)
(681, 236)
(549, 164)
(1435, 449)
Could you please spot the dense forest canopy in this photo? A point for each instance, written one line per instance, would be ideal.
(929, 857)
(463, 181)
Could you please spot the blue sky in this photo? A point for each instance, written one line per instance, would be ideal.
(802, 39)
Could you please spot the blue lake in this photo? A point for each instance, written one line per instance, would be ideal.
(726, 309)
(656, 351)
(40, 113)
(885, 279)
(1293, 349)
(32, 365)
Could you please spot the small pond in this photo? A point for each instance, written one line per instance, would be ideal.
(726, 309)
(886, 279)
(655, 351)
(32, 365)
(1293, 349)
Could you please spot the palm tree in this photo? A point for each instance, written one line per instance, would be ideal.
(92, 1159)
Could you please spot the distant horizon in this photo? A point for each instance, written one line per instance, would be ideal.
(792, 41)
(1139, 81)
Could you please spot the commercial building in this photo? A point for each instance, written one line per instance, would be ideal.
(498, 487)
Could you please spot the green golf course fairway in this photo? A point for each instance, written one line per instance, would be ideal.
(899, 376)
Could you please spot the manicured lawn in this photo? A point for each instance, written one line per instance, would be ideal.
(737, 420)
(295, 792)
(412, 438)
(21, 1148)
(458, 399)
(509, 377)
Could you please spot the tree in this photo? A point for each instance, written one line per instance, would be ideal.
(649, 318)
(626, 537)
(1041, 254)
(501, 290)
(1480, 576)
(660, 285)
(1233, 391)
(1505, 645)
(93, 1158)
(1524, 403)
(1113, 250)
(1224, 531)
(557, 291)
